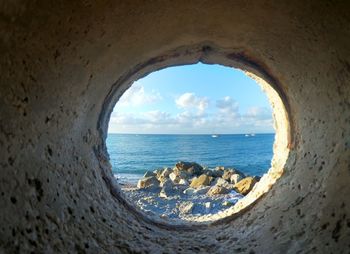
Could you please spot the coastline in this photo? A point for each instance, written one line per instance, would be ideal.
(187, 191)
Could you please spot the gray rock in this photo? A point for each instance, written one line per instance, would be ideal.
(219, 181)
(181, 174)
(203, 180)
(183, 182)
(217, 173)
(227, 174)
(245, 185)
(149, 174)
(167, 182)
(173, 177)
(166, 172)
(208, 172)
(190, 167)
(148, 182)
(162, 179)
(201, 191)
(166, 192)
(216, 190)
(235, 178)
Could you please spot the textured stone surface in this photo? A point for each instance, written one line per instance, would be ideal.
(235, 178)
(147, 182)
(65, 63)
(245, 185)
(216, 190)
(202, 180)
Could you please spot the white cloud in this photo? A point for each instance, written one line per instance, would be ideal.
(190, 100)
(158, 117)
(119, 119)
(228, 112)
(227, 104)
(224, 117)
(137, 96)
(259, 113)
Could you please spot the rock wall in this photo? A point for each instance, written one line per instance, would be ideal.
(64, 64)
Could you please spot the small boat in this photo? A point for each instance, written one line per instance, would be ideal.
(214, 136)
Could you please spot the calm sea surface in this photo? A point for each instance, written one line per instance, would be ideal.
(132, 155)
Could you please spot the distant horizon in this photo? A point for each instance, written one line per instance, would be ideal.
(246, 133)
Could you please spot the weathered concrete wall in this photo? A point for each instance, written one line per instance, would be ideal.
(59, 62)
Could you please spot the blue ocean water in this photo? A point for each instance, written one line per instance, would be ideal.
(132, 155)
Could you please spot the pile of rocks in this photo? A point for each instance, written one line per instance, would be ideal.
(191, 178)
(188, 191)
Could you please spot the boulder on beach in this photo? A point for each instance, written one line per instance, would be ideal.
(148, 182)
(166, 192)
(227, 174)
(190, 167)
(173, 177)
(167, 182)
(202, 180)
(162, 179)
(245, 185)
(216, 190)
(217, 172)
(149, 174)
(166, 172)
(183, 182)
(202, 190)
(207, 172)
(235, 178)
(181, 174)
(157, 172)
(223, 183)
(219, 181)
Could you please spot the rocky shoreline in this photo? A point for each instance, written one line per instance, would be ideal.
(189, 190)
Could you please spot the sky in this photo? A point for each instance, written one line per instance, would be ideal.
(193, 99)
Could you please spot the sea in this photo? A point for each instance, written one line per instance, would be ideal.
(131, 155)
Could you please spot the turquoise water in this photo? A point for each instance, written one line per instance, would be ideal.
(132, 155)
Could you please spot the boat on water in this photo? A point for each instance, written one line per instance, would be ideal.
(250, 135)
(214, 136)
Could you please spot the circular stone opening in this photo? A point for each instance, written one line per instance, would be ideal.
(210, 56)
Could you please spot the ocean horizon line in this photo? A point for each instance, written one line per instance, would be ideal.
(199, 134)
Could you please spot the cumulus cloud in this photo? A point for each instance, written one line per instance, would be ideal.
(228, 112)
(259, 113)
(119, 119)
(190, 100)
(158, 117)
(195, 116)
(227, 104)
(137, 96)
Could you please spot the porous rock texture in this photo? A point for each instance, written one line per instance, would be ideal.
(65, 63)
